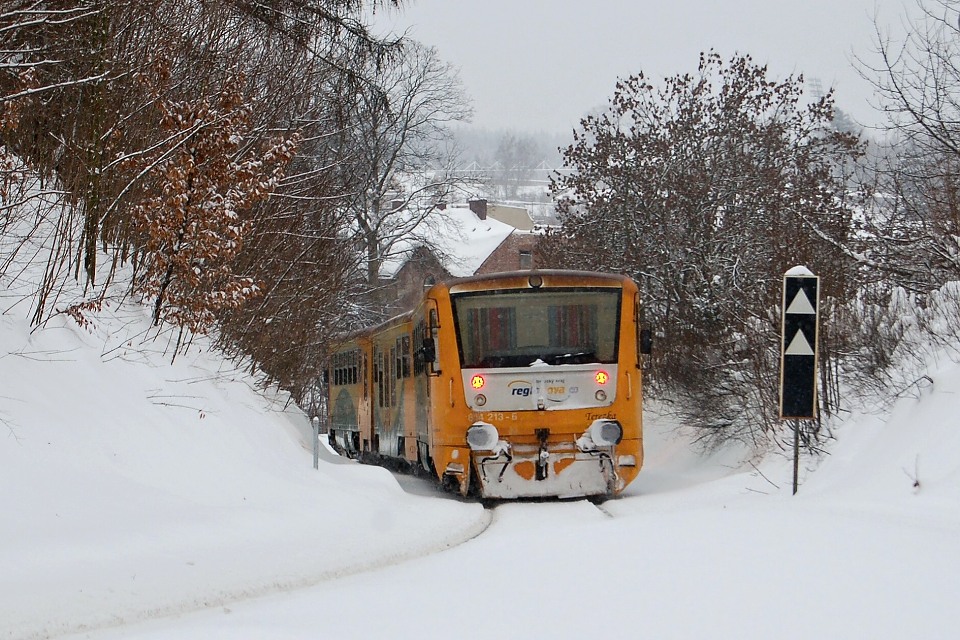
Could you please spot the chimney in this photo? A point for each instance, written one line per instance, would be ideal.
(479, 207)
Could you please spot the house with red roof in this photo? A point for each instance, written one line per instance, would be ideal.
(458, 241)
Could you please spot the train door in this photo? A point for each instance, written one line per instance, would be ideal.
(424, 352)
(408, 402)
(378, 398)
(364, 410)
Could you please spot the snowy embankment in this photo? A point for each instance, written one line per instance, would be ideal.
(133, 488)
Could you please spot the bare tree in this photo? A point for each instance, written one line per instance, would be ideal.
(404, 148)
(914, 224)
(516, 157)
(707, 190)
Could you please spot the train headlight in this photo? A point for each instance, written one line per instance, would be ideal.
(606, 433)
(480, 400)
(602, 377)
(477, 382)
(482, 436)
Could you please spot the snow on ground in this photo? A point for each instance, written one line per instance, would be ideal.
(152, 501)
(134, 488)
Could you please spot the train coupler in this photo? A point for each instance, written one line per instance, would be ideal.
(543, 456)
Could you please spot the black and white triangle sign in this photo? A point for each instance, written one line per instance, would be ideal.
(799, 346)
(798, 361)
(801, 304)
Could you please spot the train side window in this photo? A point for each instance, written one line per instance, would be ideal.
(345, 367)
(418, 334)
(405, 356)
(646, 342)
(363, 374)
(644, 336)
(431, 346)
(378, 375)
(394, 372)
(398, 355)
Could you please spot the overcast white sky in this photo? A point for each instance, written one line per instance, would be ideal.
(534, 65)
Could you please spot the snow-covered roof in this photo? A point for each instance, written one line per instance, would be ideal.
(460, 240)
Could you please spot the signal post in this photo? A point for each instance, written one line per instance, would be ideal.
(799, 353)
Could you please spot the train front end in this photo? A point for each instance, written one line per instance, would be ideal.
(547, 397)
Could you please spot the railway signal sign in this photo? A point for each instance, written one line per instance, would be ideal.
(798, 345)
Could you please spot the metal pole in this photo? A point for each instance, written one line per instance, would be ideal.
(796, 454)
(316, 442)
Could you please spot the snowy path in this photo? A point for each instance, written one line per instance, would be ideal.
(566, 570)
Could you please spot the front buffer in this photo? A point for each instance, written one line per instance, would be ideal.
(597, 463)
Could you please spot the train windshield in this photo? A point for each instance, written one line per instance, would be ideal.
(543, 326)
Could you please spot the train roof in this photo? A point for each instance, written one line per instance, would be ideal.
(613, 278)
(493, 280)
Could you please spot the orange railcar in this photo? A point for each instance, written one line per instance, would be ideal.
(511, 385)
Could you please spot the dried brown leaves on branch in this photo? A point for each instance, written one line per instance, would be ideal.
(195, 218)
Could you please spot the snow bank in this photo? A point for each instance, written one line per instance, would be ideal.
(134, 488)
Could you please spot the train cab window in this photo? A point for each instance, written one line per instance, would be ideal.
(549, 326)
(492, 329)
(572, 324)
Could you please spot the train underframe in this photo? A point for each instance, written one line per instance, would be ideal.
(563, 467)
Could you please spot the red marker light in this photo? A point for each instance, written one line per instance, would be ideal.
(601, 377)
(477, 382)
